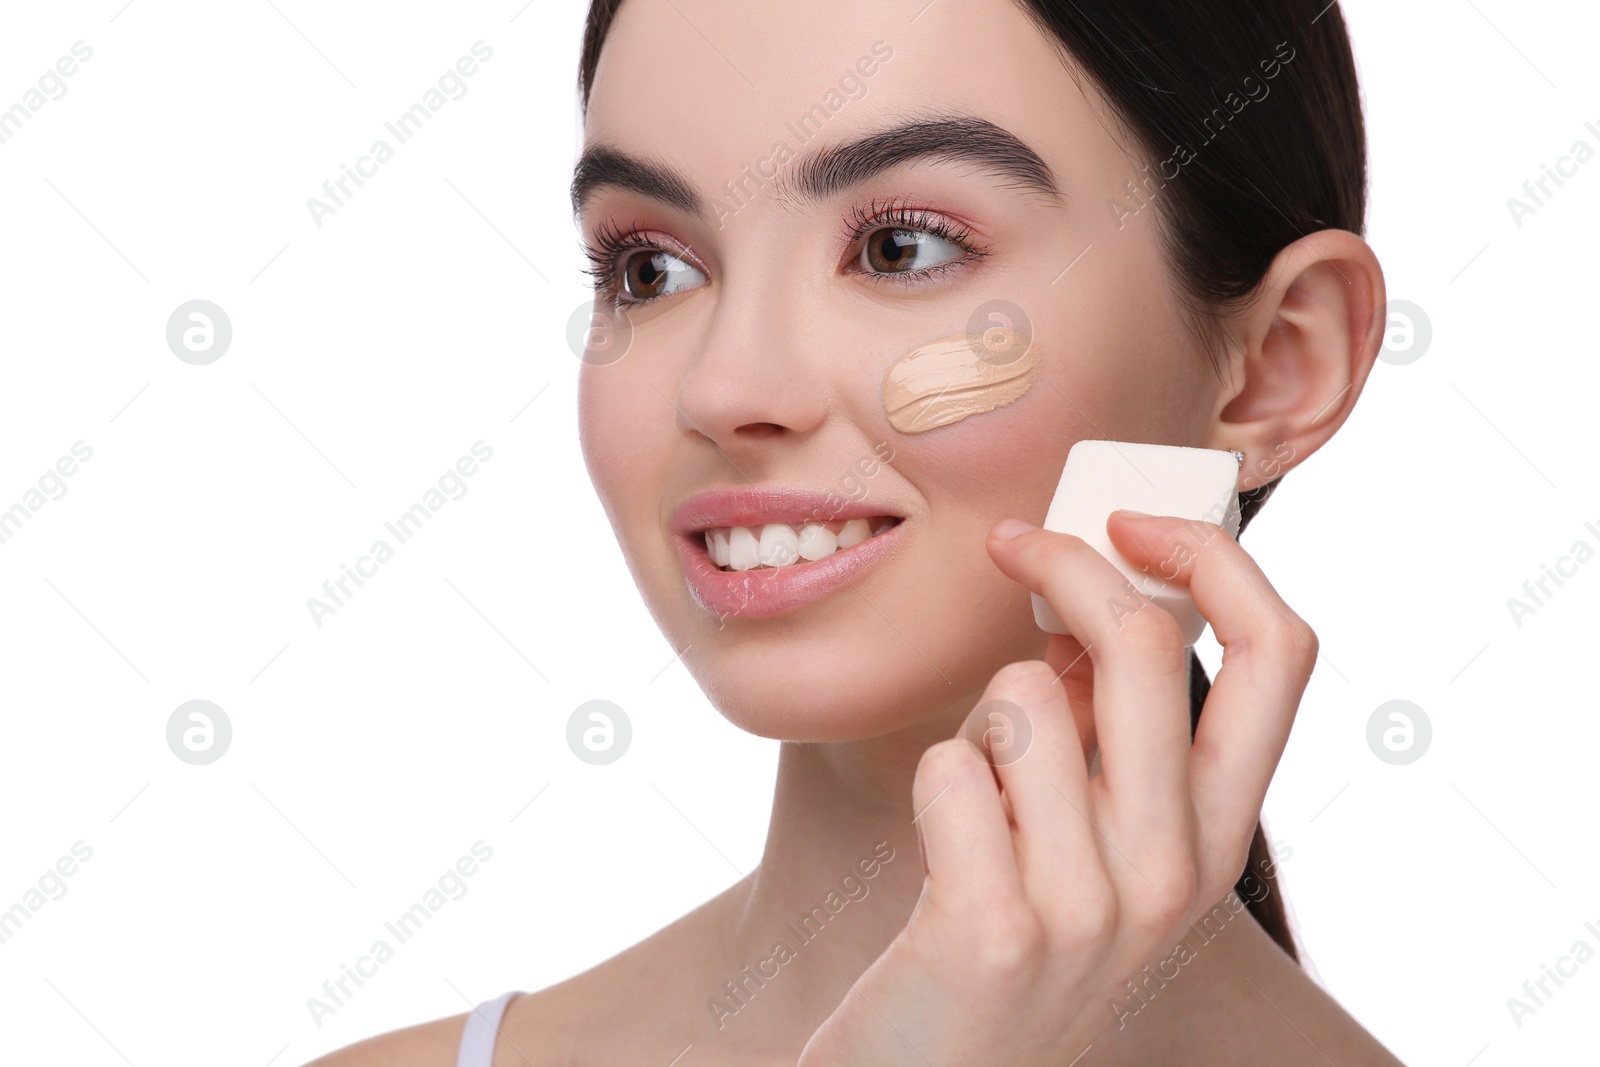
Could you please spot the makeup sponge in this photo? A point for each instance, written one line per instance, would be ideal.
(1102, 476)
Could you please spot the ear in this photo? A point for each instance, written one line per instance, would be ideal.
(1300, 353)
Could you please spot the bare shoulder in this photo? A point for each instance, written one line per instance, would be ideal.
(1296, 1021)
(562, 1024)
(1303, 1024)
(574, 1020)
(429, 1044)
(1235, 997)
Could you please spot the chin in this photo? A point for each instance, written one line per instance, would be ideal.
(801, 710)
(851, 678)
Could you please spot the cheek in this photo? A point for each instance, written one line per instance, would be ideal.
(1134, 373)
(591, 431)
(991, 465)
(954, 378)
(605, 411)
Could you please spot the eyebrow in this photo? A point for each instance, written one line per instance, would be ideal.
(832, 169)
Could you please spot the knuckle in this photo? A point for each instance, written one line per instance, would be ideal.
(1239, 860)
(1154, 628)
(1233, 844)
(1201, 540)
(1011, 946)
(1059, 550)
(1026, 677)
(945, 764)
(1209, 534)
(941, 763)
(1296, 643)
(1088, 917)
(1168, 905)
(1180, 891)
(1308, 640)
(1093, 920)
(1057, 558)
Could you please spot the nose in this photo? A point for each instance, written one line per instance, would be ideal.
(757, 375)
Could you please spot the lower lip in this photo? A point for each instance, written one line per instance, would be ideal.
(763, 592)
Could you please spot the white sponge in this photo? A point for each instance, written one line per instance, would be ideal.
(1102, 476)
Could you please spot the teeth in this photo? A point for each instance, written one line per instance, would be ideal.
(855, 531)
(778, 544)
(742, 548)
(817, 541)
(717, 545)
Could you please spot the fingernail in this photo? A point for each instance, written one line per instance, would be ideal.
(1006, 529)
(1135, 514)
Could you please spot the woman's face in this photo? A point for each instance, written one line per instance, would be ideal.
(763, 358)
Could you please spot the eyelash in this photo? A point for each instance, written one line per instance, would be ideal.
(612, 244)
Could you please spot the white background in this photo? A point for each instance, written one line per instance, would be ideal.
(431, 312)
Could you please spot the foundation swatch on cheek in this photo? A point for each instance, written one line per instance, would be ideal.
(947, 380)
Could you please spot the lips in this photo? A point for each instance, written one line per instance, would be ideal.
(769, 591)
(755, 506)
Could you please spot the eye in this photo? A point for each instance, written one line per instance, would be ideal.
(647, 271)
(897, 251)
(904, 243)
(648, 275)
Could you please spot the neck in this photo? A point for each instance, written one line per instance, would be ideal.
(840, 874)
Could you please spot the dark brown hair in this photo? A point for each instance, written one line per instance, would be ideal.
(1248, 118)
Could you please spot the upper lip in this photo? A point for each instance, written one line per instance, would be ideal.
(758, 505)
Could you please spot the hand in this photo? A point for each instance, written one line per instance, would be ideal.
(1046, 889)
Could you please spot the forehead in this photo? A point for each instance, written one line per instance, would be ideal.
(724, 90)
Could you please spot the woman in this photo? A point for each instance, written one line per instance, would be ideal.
(1159, 203)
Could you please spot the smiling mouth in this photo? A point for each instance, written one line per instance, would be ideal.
(780, 544)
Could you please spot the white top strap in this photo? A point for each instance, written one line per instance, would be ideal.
(482, 1026)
